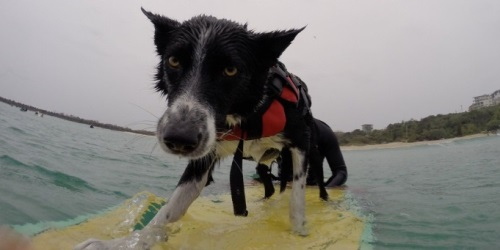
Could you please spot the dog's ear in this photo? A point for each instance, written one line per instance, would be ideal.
(272, 44)
(163, 27)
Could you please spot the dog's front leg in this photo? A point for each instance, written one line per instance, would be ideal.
(188, 189)
(297, 200)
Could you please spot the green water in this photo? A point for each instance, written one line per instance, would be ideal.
(438, 196)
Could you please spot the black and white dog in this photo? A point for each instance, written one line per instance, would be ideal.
(215, 75)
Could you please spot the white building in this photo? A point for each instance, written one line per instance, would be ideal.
(485, 101)
(495, 97)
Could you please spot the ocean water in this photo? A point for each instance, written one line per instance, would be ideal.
(436, 196)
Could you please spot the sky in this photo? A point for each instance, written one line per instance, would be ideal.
(365, 61)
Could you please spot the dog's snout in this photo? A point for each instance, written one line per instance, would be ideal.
(181, 142)
(187, 128)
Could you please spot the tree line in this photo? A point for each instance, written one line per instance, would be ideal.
(434, 127)
(74, 118)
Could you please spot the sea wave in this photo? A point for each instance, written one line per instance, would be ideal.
(16, 130)
(24, 171)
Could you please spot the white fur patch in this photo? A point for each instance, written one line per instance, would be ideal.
(232, 120)
(251, 148)
(297, 200)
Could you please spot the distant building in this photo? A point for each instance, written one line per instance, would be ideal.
(367, 128)
(496, 97)
(485, 101)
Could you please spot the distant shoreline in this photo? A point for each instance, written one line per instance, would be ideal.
(72, 118)
(92, 123)
(409, 144)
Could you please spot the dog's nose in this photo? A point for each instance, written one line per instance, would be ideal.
(181, 143)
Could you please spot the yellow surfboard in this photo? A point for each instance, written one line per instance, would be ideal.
(210, 224)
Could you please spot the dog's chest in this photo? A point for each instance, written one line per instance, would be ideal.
(251, 148)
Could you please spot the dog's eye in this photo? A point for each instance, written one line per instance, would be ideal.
(173, 62)
(230, 71)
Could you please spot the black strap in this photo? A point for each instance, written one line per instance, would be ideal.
(266, 178)
(236, 183)
(281, 75)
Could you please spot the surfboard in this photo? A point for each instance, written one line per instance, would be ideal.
(210, 224)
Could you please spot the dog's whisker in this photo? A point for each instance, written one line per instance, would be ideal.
(225, 133)
(228, 132)
(148, 123)
(144, 126)
(134, 139)
(147, 111)
(226, 151)
(152, 150)
(238, 165)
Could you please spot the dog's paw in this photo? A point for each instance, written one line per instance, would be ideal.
(299, 226)
(138, 240)
(92, 244)
(122, 243)
(301, 231)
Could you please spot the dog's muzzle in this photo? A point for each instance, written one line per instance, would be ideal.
(187, 130)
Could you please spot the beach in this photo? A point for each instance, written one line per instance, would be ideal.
(411, 144)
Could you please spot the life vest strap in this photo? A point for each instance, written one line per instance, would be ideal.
(236, 183)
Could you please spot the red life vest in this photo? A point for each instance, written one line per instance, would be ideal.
(269, 121)
(273, 119)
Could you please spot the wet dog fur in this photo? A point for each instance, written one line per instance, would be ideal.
(214, 74)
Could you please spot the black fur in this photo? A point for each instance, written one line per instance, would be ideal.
(195, 57)
(215, 72)
(252, 53)
(225, 44)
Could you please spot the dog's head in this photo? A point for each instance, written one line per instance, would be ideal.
(209, 68)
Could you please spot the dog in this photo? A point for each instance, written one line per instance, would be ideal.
(215, 74)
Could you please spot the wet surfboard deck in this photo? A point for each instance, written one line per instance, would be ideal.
(210, 224)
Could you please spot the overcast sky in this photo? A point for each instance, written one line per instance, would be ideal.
(369, 61)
